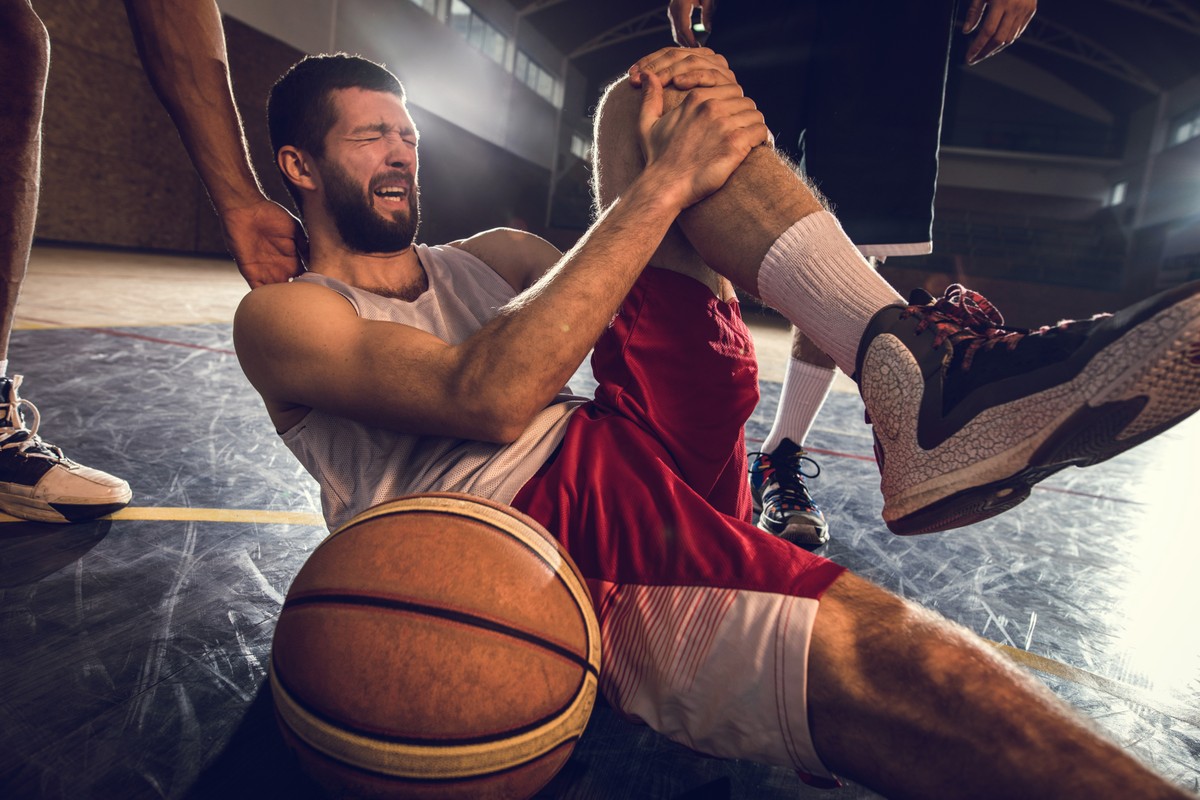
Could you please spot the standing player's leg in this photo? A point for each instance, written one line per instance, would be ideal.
(762, 42)
(860, 110)
(36, 480)
(24, 66)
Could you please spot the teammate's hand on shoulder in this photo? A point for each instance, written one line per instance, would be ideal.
(266, 241)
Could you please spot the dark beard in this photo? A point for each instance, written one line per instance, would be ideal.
(362, 229)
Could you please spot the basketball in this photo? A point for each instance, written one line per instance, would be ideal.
(437, 645)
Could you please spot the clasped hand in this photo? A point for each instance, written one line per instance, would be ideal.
(697, 142)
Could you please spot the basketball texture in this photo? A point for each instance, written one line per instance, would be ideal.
(437, 645)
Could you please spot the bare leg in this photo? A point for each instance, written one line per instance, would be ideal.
(899, 699)
(734, 249)
(902, 700)
(24, 63)
(754, 218)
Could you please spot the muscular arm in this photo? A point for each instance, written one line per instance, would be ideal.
(302, 346)
(182, 46)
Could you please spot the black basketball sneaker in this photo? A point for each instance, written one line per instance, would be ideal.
(969, 414)
(38, 482)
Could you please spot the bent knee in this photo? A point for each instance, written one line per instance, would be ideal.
(616, 151)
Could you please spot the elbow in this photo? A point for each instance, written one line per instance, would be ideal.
(498, 414)
(501, 425)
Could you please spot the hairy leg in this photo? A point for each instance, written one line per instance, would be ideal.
(905, 701)
(765, 222)
(24, 63)
(780, 197)
(621, 162)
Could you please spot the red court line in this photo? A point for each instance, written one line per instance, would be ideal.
(143, 337)
(156, 340)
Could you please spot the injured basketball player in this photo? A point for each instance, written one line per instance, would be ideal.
(394, 368)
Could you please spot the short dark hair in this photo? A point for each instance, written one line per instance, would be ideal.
(300, 107)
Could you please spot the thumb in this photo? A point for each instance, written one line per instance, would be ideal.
(652, 102)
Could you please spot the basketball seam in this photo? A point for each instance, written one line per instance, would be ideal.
(293, 713)
(461, 759)
(414, 741)
(465, 617)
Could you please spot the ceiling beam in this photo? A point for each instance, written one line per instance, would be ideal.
(1175, 13)
(1060, 40)
(538, 5)
(633, 28)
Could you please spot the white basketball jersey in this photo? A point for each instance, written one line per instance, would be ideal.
(359, 465)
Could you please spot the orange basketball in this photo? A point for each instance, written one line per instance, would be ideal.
(438, 645)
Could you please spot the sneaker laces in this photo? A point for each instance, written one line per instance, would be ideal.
(966, 317)
(13, 432)
(789, 477)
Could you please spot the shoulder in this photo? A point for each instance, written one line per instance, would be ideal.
(286, 309)
(517, 256)
(275, 298)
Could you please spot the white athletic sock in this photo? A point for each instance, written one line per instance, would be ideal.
(805, 387)
(815, 276)
(3, 367)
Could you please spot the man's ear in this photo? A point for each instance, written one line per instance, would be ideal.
(297, 167)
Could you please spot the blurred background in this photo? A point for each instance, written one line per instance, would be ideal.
(1070, 162)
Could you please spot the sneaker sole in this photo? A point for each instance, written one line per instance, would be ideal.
(808, 537)
(40, 511)
(1138, 386)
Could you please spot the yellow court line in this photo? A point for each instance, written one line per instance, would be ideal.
(1133, 694)
(1146, 698)
(208, 515)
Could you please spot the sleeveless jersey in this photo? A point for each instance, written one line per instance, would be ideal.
(359, 465)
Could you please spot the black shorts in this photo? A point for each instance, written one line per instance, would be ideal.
(853, 90)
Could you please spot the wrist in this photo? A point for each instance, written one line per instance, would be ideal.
(240, 200)
(661, 190)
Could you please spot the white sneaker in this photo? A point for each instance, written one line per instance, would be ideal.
(38, 482)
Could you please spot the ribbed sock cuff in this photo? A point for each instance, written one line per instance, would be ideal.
(814, 276)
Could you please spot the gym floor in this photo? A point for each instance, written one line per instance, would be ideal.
(133, 650)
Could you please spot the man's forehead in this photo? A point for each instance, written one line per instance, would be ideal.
(357, 107)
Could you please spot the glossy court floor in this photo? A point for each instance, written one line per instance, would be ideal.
(133, 650)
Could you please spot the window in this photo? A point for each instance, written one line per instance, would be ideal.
(428, 5)
(530, 73)
(482, 35)
(1117, 195)
(580, 146)
(1185, 127)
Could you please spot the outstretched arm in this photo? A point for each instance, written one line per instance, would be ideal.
(182, 46)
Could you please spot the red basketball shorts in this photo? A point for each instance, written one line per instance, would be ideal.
(705, 619)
